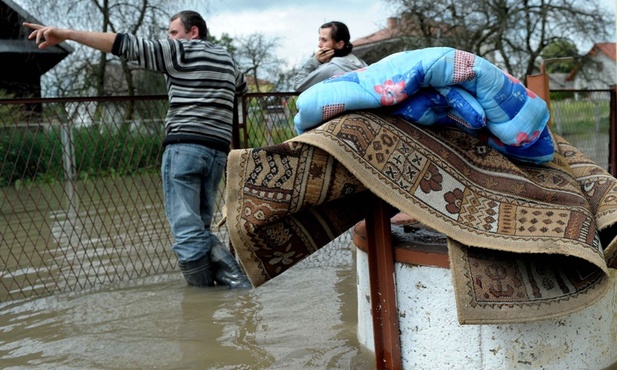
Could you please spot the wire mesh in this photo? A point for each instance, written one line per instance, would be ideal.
(268, 119)
(583, 118)
(81, 192)
(81, 198)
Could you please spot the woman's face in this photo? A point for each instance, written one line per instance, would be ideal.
(327, 42)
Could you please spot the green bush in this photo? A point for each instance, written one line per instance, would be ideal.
(28, 156)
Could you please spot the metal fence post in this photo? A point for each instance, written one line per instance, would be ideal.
(68, 161)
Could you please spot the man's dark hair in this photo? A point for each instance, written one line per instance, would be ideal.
(339, 32)
(190, 18)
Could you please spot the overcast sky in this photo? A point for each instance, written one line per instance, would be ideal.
(296, 25)
(296, 22)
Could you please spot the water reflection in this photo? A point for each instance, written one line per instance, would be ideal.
(304, 319)
(99, 232)
(114, 299)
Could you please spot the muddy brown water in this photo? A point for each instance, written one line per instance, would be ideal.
(107, 231)
(304, 319)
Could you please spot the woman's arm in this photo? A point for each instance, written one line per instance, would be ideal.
(307, 77)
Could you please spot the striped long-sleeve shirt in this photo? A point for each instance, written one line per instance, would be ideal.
(202, 82)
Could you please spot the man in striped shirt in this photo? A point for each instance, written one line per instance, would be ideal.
(203, 83)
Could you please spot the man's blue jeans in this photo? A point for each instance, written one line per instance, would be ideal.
(191, 178)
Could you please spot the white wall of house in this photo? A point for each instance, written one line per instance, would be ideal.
(598, 74)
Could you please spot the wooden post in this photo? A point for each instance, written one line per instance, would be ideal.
(383, 288)
(612, 131)
(239, 126)
(539, 85)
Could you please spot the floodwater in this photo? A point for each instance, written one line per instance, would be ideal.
(304, 319)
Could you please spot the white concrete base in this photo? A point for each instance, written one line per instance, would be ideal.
(432, 338)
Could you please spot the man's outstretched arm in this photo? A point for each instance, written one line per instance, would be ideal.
(46, 36)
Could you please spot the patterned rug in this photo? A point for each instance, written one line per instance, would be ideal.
(525, 242)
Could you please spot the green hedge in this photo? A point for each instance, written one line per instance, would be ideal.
(36, 156)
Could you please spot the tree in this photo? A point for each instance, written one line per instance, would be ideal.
(225, 41)
(257, 58)
(560, 49)
(87, 71)
(510, 33)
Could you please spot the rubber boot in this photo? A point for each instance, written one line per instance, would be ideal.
(198, 273)
(226, 269)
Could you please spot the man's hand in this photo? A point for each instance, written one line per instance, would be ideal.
(46, 36)
(49, 36)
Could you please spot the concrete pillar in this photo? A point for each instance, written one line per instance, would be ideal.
(432, 338)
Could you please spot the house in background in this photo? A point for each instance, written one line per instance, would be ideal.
(385, 41)
(597, 70)
(559, 81)
(22, 63)
(402, 33)
(259, 85)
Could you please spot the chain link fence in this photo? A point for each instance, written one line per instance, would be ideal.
(82, 201)
(81, 192)
(583, 118)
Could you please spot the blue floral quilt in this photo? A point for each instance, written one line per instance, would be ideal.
(440, 86)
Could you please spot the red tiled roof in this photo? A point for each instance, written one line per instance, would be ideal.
(607, 48)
